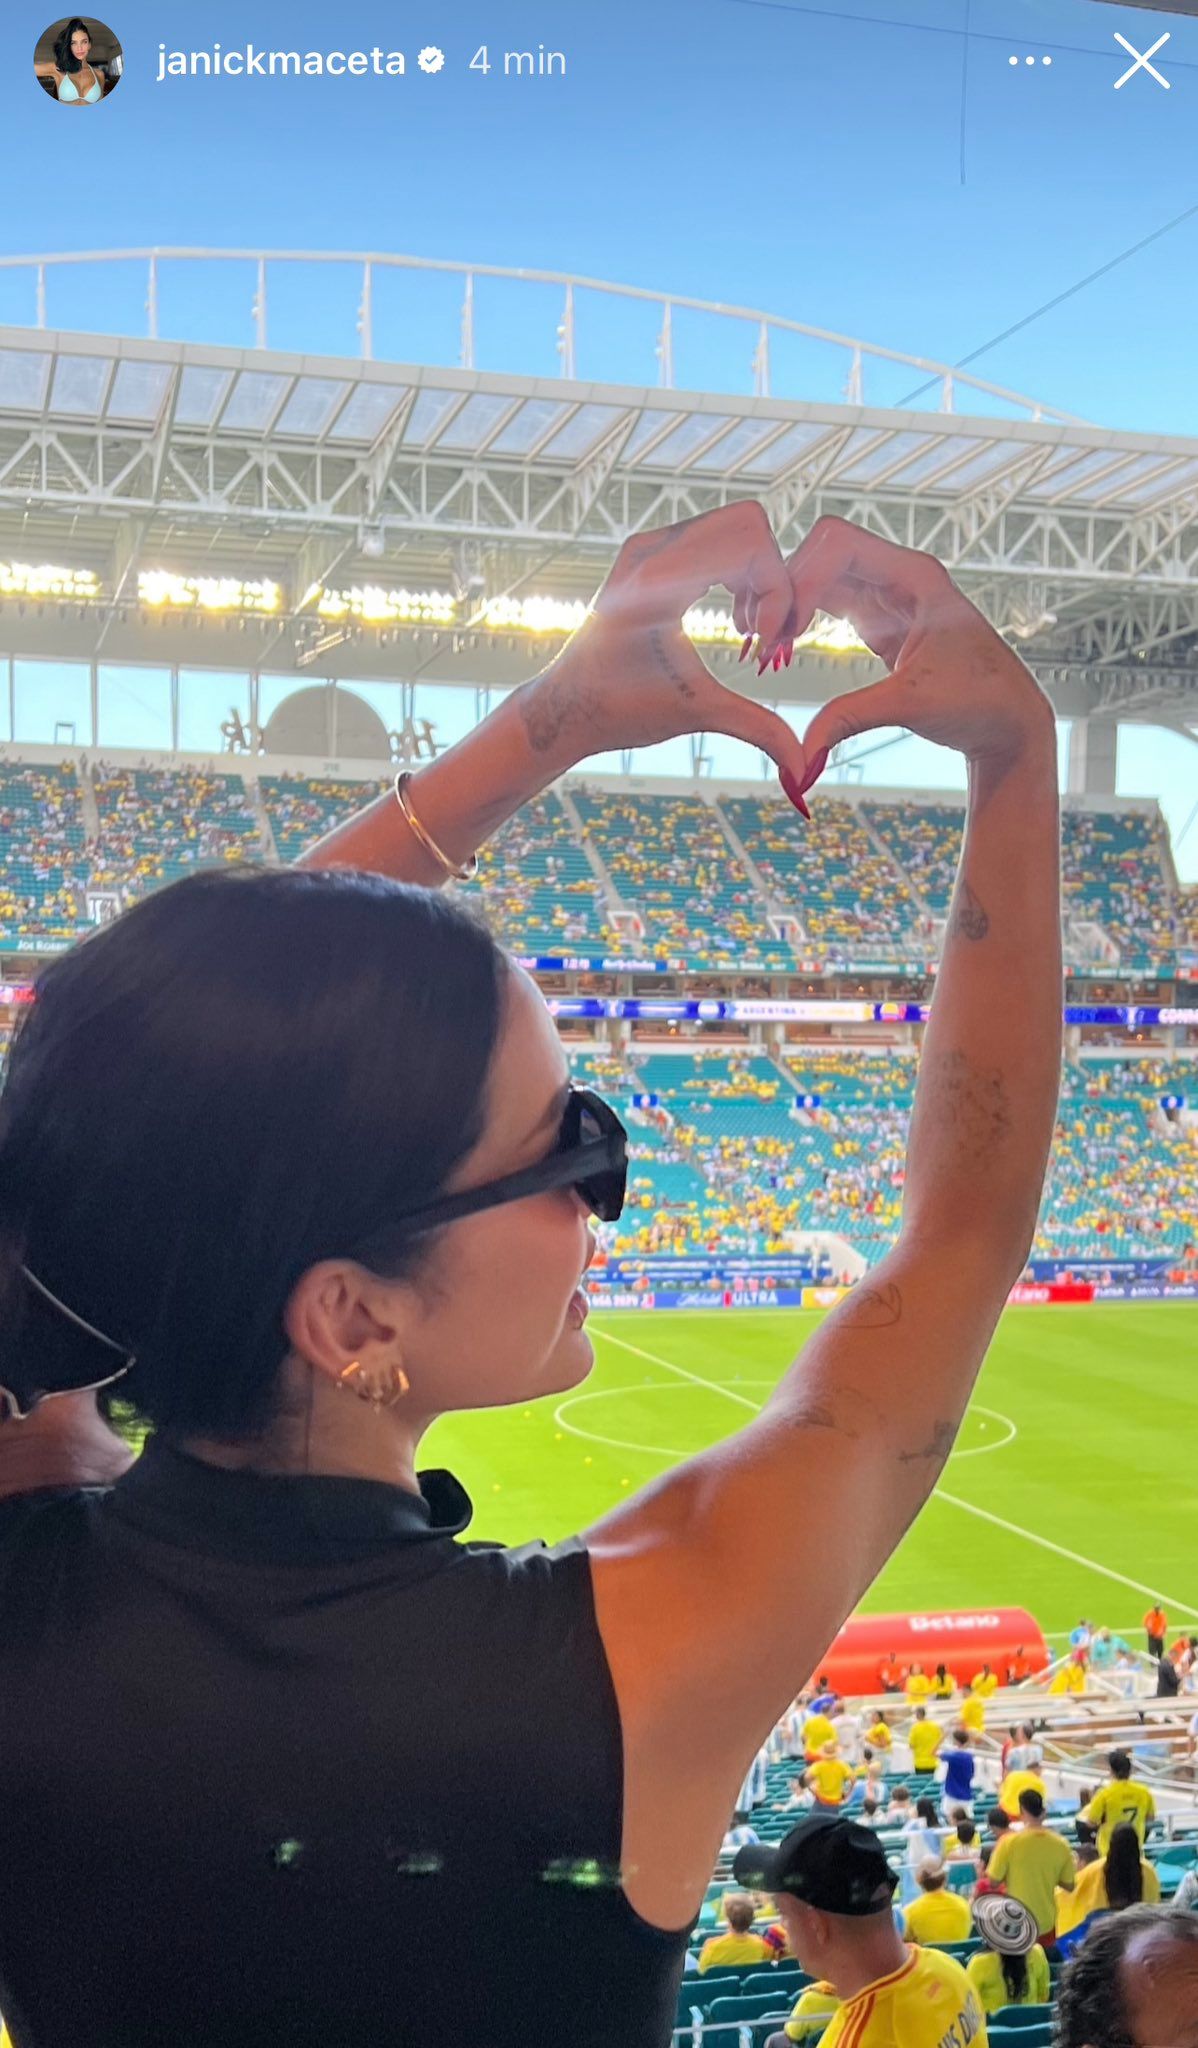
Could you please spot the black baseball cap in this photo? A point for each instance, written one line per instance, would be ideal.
(827, 1862)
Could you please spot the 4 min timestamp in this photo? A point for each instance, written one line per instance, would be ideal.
(538, 63)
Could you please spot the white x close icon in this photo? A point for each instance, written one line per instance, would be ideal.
(1142, 63)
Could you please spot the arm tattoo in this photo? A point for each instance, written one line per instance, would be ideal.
(936, 1451)
(543, 717)
(973, 1104)
(873, 1308)
(554, 708)
(971, 920)
(818, 1415)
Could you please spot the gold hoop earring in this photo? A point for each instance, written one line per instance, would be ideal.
(378, 1397)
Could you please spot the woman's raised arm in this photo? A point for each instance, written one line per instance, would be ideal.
(816, 1490)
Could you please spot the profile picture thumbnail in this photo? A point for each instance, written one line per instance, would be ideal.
(78, 61)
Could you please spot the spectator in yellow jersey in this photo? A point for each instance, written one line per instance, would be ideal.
(814, 2009)
(834, 1890)
(1012, 1968)
(740, 1944)
(817, 1730)
(1032, 1862)
(937, 1916)
(918, 1685)
(830, 1778)
(1072, 1676)
(880, 1734)
(944, 1684)
(973, 1713)
(1013, 1787)
(1122, 1798)
(925, 1737)
(984, 1682)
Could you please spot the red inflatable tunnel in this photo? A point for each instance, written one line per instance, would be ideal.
(963, 1641)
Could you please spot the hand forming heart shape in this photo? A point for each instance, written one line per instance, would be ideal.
(630, 676)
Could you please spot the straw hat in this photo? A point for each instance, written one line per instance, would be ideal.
(1005, 1924)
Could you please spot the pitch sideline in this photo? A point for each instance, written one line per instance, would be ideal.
(952, 1500)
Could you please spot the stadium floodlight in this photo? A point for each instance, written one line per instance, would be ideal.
(47, 580)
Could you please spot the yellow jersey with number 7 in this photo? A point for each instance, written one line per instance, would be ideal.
(1121, 1800)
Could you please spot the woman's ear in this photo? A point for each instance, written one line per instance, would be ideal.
(338, 1312)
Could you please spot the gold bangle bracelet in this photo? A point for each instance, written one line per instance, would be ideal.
(462, 874)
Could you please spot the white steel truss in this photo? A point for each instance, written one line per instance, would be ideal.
(1080, 541)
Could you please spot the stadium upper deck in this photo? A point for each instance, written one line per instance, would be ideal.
(723, 1157)
(704, 877)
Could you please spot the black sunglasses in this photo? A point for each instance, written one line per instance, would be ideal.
(591, 1154)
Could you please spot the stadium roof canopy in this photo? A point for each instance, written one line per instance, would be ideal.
(122, 455)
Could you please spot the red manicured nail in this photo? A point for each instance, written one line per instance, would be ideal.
(794, 792)
(815, 768)
(748, 642)
(763, 664)
(777, 660)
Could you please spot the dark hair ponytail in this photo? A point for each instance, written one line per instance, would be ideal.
(247, 1072)
(1124, 1876)
(1014, 1970)
(63, 56)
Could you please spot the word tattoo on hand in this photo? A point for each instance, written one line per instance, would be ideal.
(661, 655)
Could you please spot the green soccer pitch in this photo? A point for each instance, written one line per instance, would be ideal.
(1071, 1492)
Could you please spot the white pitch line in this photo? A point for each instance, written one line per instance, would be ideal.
(1074, 1556)
(713, 1386)
(954, 1500)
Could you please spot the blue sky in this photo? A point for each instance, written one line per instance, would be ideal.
(866, 167)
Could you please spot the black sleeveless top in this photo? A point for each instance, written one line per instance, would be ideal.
(282, 1761)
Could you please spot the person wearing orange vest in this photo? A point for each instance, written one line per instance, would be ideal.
(1156, 1621)
(890, 1674)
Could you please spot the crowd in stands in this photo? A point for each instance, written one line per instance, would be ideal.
(864, 880)
(1122, 1180)
(984, 1865)
(536, 887)
(302, 808)
(724, 1163)
(830, 874)
(1113, 873)
(43, 858)
(924, 839)
(156, 826)
(673, 865)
